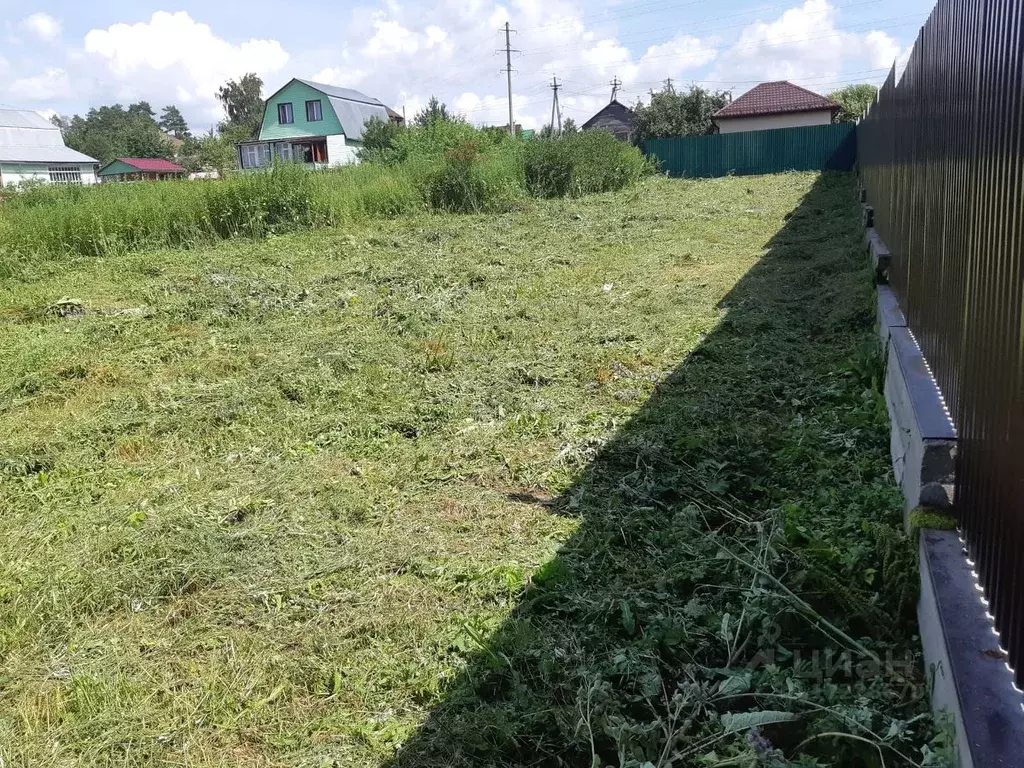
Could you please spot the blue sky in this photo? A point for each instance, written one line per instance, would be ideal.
(66, 56)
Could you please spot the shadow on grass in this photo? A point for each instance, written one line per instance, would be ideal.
(756, 472)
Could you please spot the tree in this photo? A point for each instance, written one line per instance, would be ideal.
(854, 100)
(141, 109)
(63, 122)
(209, 152)
(547, 130)
(173, 122)
(217, 152)
(113, 131)
(435, 112)
(677, 113)
(243, 102)
(379, 138)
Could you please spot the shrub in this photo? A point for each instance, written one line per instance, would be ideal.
(379, 139)
(436, 139)
(548, 167)
(456, 186)
(604, 164)
(580, 164)
(471, 181)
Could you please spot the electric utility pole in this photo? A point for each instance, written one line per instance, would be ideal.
(615, 83)
(556, 109)
(508, 69)
(668, 84)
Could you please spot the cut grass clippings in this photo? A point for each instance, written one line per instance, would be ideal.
(596, 482)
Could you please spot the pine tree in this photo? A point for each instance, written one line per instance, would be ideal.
(173, 122)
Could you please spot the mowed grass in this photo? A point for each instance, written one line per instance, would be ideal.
(264, 504)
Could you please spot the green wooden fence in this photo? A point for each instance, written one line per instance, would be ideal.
(813, 148)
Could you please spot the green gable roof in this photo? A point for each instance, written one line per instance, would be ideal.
(297, 93)
(115, 167)
(344, 111)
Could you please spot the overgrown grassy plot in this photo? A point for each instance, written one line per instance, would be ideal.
(738, 591)
(489, 472)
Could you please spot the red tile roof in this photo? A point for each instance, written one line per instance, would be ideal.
(156, 164)
(780, 97)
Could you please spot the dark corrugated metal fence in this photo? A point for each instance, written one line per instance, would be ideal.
(812, 148)
(942, 158)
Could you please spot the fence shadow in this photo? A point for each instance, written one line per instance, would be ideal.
(587, 662)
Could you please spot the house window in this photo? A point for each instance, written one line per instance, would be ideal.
(314, 111)
(284, 152)
(65, 174)
(285, 114)
(255, 155)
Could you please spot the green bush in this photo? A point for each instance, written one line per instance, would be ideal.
(580, 164)
(548, 167)
(435, 140)
(379, 139)
(472, 181)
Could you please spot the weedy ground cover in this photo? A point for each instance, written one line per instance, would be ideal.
(599, 481)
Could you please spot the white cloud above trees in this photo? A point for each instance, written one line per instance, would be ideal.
(172, 57)
(403, 52)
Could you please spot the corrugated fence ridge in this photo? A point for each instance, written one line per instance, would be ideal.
(942, 158)
(812, 148)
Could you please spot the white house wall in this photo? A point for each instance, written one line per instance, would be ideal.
(12, 174)
(767, 122)
(340, 153)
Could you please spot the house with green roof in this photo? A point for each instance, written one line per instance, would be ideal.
(314, 124)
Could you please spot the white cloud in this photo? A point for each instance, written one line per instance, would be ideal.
(437, 38)
(674, 58)
(42, 26)
(391, 39)
(172, 57)
(404, 52)
(901, 61)
(805, 45)
(52, 84)
(492, 109)
(882, 49)
(343, 77)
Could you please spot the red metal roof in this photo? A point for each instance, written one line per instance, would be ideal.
(157, 164)
(780, 97)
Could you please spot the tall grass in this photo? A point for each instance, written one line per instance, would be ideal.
(449, 168)
(114, 218)
(581, 164)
